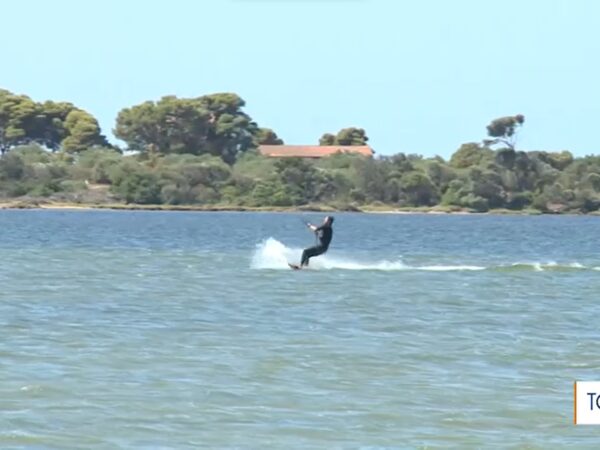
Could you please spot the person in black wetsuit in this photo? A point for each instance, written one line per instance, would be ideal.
(324, 233)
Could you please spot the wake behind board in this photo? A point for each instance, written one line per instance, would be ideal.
(294, 266)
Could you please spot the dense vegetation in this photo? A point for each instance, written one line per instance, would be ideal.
(201, 151)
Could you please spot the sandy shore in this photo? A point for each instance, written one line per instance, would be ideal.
(135, 207)
(367, 209)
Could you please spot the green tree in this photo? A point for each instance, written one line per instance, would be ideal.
(457, 189)
(213, 124)
(558, 160)
(12, 167)
(299, 178)
(48, 127)
(370, 176)
(170, 125)
(18, 114)
(553, 198)
(135, 184)
(419, 189)
(23, 121)
(504, 130)
(96, 164)
(592, 180)
(488, 185)
(475, 202)
(327, 139)
(401, 162)
(271, 193)
(519, 200)
(232, 131)
(470, 154)
(440, 174)
(346, 136)
(351, 136)
(266, 136)
(83, 132)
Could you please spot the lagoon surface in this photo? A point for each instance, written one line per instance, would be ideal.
(183, 330)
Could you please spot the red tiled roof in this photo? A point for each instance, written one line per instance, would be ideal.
(312, 151)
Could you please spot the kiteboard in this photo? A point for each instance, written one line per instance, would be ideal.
(294, 266)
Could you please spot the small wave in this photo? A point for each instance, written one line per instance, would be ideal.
(31, 388)
(332, 263)
(542, 267)
(448, 268)
(272, 254)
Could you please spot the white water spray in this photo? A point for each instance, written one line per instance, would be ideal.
(272, 254)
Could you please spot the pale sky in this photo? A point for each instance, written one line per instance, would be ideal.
(420, 76)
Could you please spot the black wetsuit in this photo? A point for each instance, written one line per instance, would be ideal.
(325, 233)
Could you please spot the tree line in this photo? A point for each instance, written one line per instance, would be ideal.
(211, 124)
(202, 150)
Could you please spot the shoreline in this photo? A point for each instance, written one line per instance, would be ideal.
(364, 209)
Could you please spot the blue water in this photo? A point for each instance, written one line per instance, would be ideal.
(155, 330)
